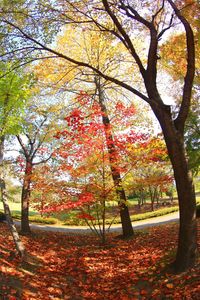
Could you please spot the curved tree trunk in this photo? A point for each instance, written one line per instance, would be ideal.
(187, 241)
(25, 227)
(127, 228)
(18, 244)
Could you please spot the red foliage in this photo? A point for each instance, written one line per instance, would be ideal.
(84, 198)
(66, 266)
(84, 215)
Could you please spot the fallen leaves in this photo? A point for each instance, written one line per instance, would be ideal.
(63, 266)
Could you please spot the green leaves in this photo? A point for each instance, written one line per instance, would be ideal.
(14, 93)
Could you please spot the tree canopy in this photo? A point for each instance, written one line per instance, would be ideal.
(133, 35)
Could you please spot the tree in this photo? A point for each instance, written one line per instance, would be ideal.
(171, 56)
(59, 75)
(94, 47)
(120, 21)
(36, 142)
(90, 144)
(14, 91)
(150, 173)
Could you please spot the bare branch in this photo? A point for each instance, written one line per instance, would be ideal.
(132, 13)
(43, 160)
(126, 38)
(82, 64)
(17, 66)
(167, 28)
(159, 10)
(23, 146)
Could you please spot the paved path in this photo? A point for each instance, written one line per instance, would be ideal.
(173, 217)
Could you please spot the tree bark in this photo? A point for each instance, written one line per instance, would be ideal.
(26, 190)
(19, 245)
(187, 241)
(127, 228)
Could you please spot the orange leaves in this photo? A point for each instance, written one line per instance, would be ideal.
(82, 199)
(169, 285)
(67, 266)
(74, 120)
(119, 106)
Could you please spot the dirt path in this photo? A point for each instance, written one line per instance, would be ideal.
(173, 217)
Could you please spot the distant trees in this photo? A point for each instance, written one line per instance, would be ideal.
(36, 147)
(150, 175)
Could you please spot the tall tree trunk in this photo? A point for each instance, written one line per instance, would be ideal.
(19, 245)
(127, 228)
(26, 189)
(187, 241)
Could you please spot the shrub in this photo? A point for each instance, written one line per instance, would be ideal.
(75, 221)
(16, 215)
(153, 214)
(148, 215)
(38, 219)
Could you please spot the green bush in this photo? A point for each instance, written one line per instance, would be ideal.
(153, 214)
(75, 222)
(38, 219)
(148, 215)
(16, 215)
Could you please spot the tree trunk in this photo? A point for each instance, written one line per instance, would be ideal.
(187, 243)
(127, 228)
(19, 245)
(187, 240)
(25, 227)
(124, 212)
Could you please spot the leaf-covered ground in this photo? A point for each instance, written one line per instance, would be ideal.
(61, 266)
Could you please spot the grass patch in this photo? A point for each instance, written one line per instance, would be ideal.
(34, 218)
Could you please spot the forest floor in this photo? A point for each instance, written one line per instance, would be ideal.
(67, 266)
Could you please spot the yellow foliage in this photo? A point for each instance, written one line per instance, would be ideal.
(92, 47)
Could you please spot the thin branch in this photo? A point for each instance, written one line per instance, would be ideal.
(157, 13)
(17, 66)
(167, 28)
(135, 15)
(19, 50)
(43, 160)
(23, 146)
(127, 40)
(80, 63)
